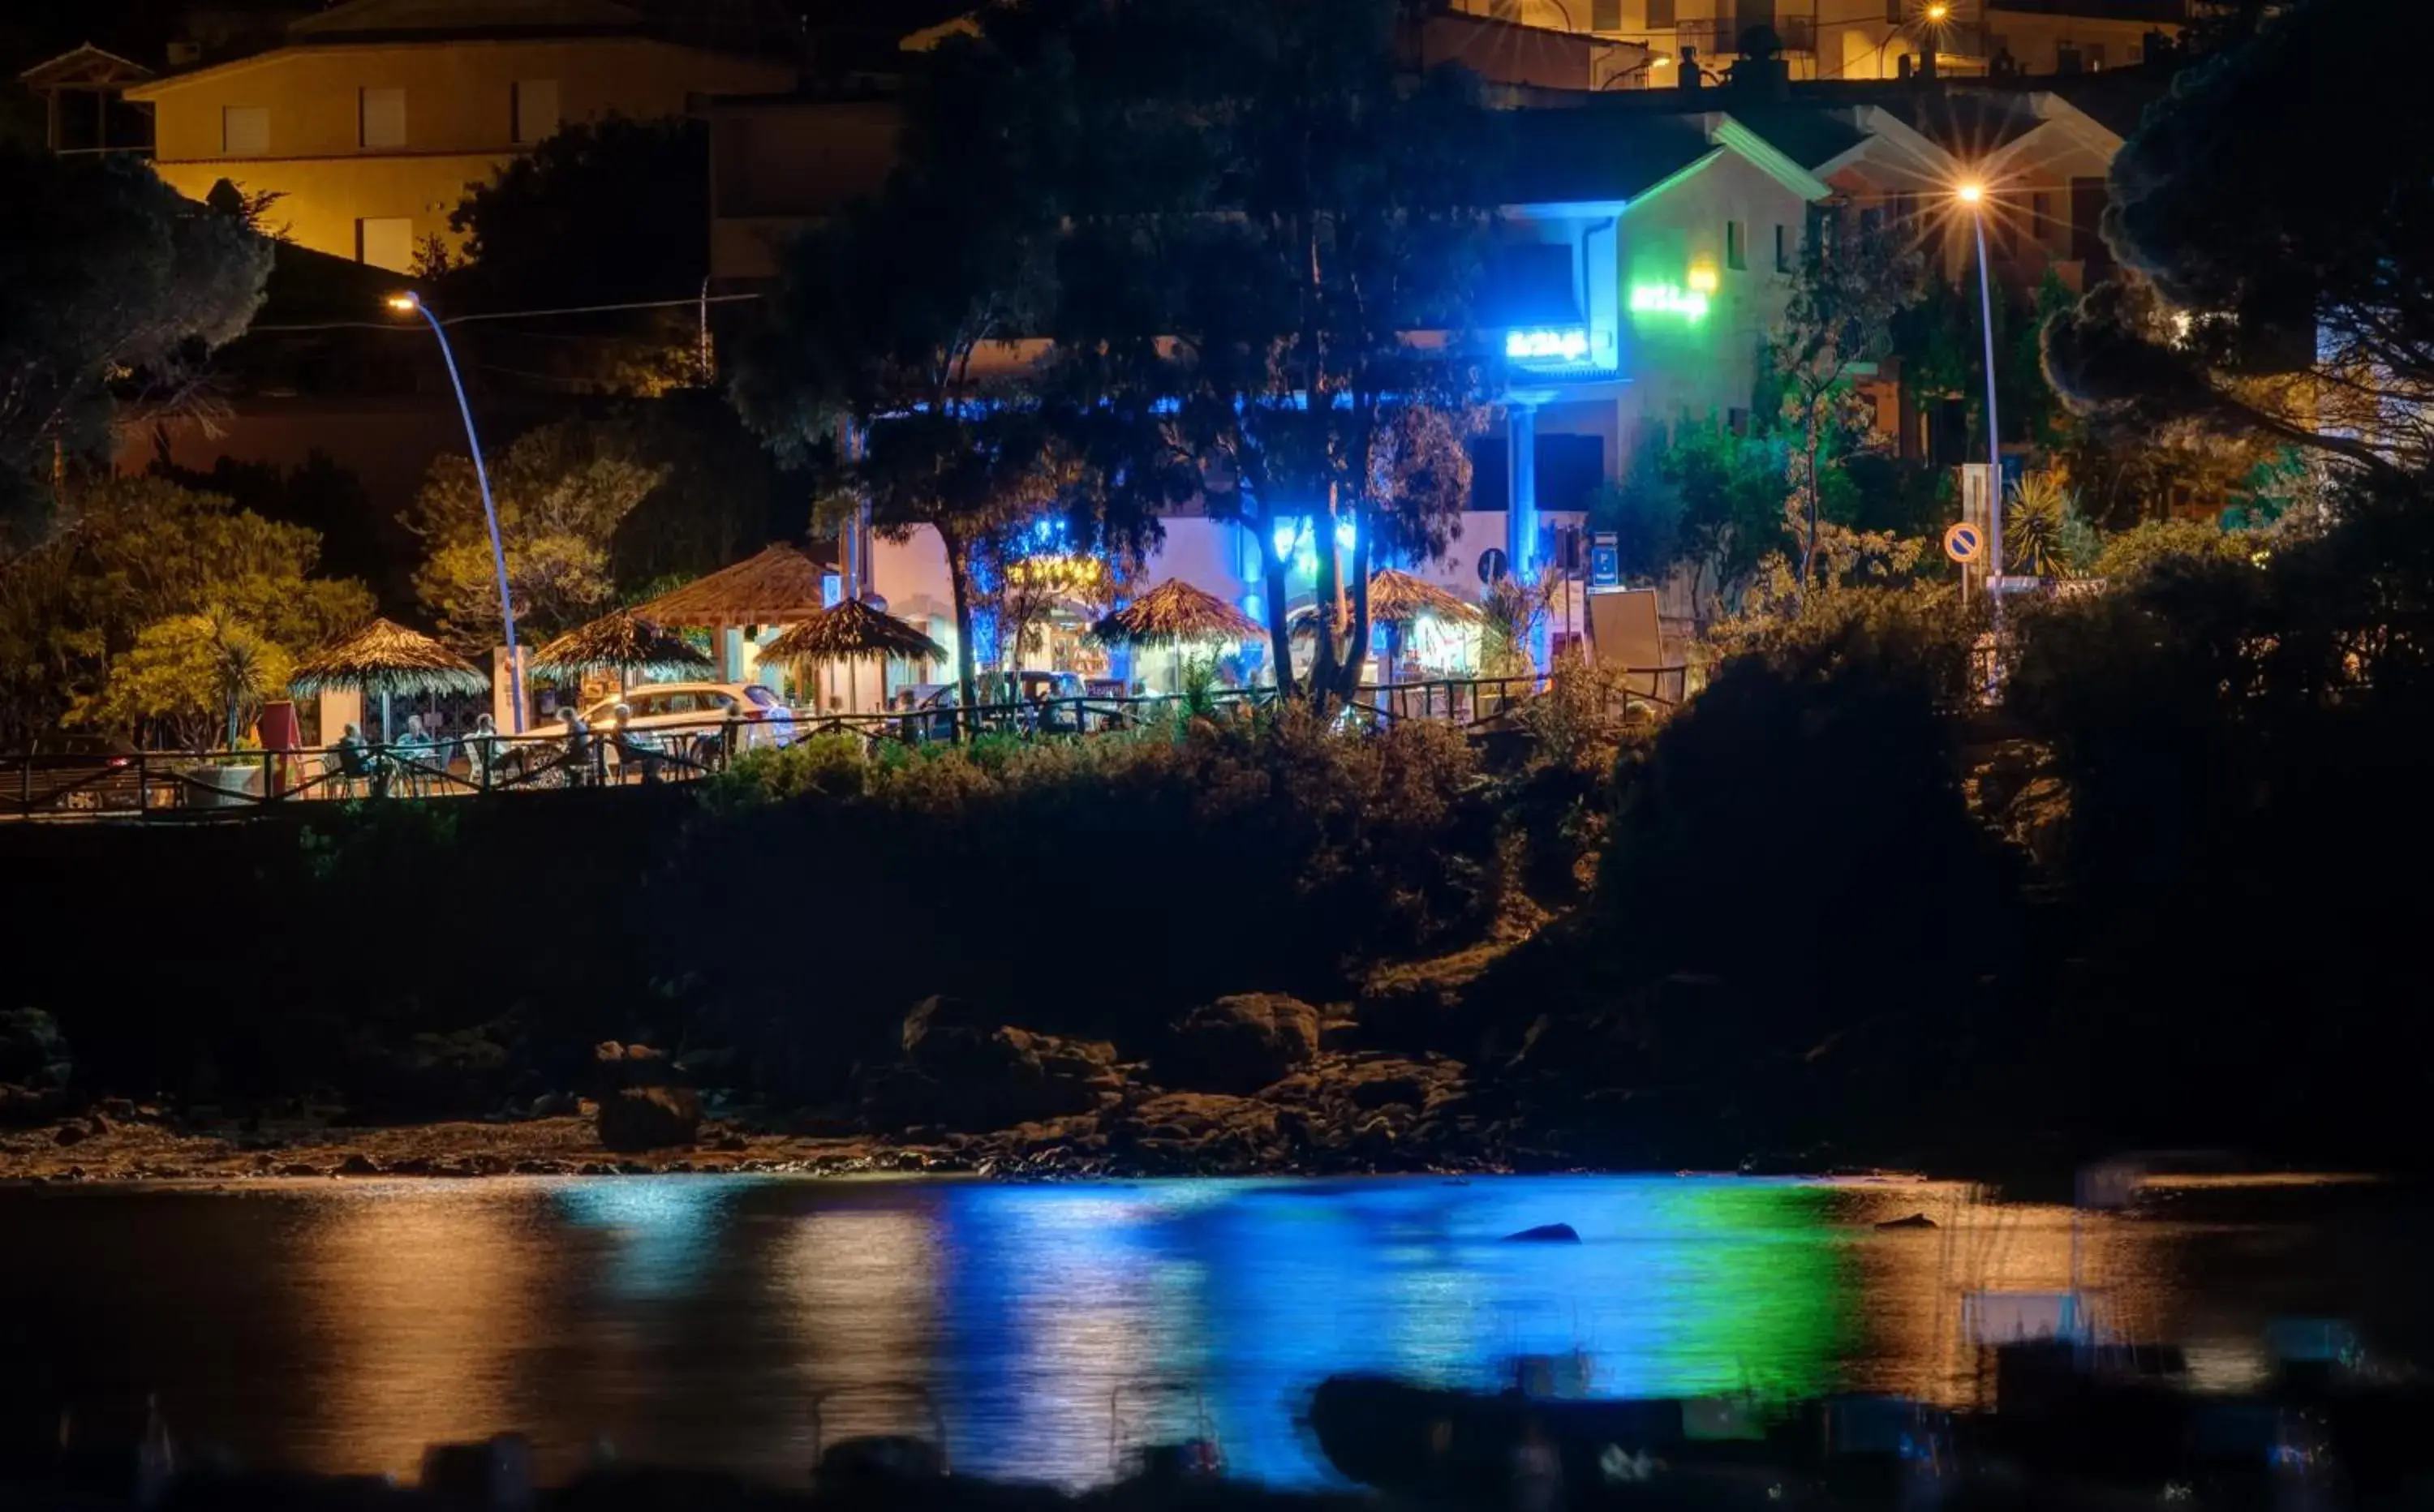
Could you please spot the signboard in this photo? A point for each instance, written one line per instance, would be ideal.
(1493, 565)
(1606, 560)
(1965, 543)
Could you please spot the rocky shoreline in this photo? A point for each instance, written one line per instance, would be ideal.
(1246, 1085)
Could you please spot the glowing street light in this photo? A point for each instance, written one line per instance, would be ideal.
(410, 302)
(1938, 14)
(1973, 194)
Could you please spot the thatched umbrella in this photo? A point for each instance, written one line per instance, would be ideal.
(384, 657)
(1397, 599)
(622, 642)
(780, 586)
(1176, 614)
(849, 633)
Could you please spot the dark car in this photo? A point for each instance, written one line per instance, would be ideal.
(74, 775)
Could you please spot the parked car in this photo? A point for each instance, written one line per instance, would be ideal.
(687, 717)
(75, 774)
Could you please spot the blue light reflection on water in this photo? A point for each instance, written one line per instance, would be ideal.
(1077, 1316)
(735, 1322)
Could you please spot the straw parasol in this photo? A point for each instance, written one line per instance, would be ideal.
(849, 633)
(384, 657)
(1176, 614)
(1397, 599)
(777, 587)
(622, 642)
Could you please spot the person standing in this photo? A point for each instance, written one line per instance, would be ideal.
(579, 747)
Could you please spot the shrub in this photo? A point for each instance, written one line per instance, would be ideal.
(1804, 812)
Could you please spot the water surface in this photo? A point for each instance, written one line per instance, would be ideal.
(1046, 1330)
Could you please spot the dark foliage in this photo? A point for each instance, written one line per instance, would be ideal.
(2245, 751)
(794, 914)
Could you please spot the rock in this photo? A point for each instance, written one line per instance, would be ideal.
(31, 1049)
(357, 1164)
(642, 1118)
(1239, 1044)
(1185, 1132)
(621, 1067)
(1916, 1220)
(23, 1107)
(962, 1073)
(1383, 1086)
(557, 1105)
(1546, 1233)
(71, 1132)
(1419, 1006)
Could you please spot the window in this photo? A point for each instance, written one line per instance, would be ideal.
(1737, 420)
(1661, 15)
(1783, 248)
(1905, 205)
(2067, 58)
(535, 109)
(1735, 246)
(245, 131)
(387, 242)
(384, 118)
(1606, 15)
(1872, 219)
(1894, 13)
(2041, 217)
(2095, 52)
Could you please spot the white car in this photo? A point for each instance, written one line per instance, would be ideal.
(683, 716)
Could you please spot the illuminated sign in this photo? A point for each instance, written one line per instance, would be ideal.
(1563, 344)
(1667, 299)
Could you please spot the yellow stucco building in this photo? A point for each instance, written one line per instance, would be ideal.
(376, 115)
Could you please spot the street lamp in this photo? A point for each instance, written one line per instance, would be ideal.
(1973, 194)
(411, 303)
(1938, 14)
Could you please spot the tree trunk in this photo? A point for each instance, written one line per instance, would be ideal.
(1356, 651)
(1324, 681)
(1272, 593)
(959, 577)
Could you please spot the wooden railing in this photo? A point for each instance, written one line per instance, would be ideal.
(161, 784)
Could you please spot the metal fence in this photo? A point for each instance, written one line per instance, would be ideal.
(161, 784)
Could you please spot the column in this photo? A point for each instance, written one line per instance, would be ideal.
(1521, 484)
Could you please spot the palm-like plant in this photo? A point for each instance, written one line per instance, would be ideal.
(2039, 537)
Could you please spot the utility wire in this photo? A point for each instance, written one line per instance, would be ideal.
(694, 301)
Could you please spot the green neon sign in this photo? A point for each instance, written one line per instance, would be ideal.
(1669, 299)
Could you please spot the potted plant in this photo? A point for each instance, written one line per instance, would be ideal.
(200, 680)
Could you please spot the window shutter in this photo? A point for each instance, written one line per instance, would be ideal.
(535, 109)
(245, 131)
(384, 118)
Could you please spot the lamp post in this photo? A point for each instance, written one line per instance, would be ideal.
(1974, 195)
(411, 303)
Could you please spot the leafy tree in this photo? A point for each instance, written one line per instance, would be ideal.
(317, 494)
(135, 551)
(561, 491)
(2151, 545)
(201, 679)
(2248, 258)
(113, 292)
(556, 229)
(1732, 489)
(1288, 207)
(722, 494)
(880, 319)
(1850, 285)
